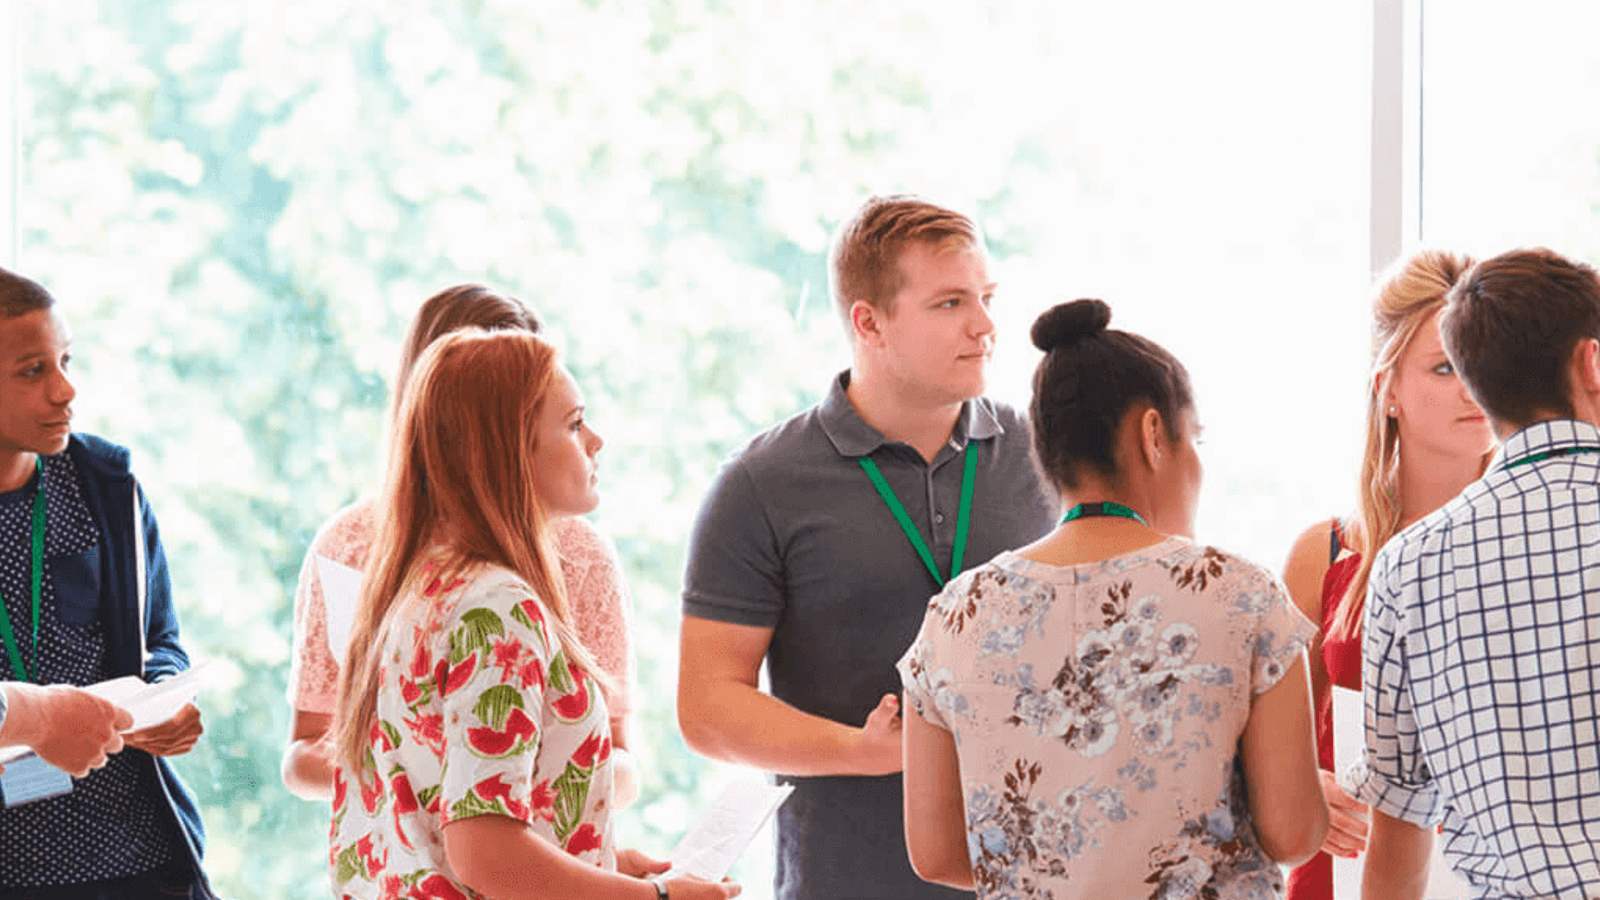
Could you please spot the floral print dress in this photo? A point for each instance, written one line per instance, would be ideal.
(1097, 710)
(479, 713)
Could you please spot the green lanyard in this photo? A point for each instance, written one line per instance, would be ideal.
(1540, 457)
(910, 528)
(38, 581)
(1108, 508)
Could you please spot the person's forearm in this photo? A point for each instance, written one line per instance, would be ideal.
(307, 770)
(503, 858)
(1397, 860)
(737, 723)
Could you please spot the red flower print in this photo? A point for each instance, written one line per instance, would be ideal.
(506, 654)
(585, 755)
(392, 886)
(371, 794)
(437, 887)
(370, 862)
(543, 801)
(338, 790)
(428, 731)
(435, 586)
(583, 840)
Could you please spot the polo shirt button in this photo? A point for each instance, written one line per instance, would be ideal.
(938, 517)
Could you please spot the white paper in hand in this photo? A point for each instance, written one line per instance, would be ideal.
(341, 590)
(149, 704)
(716, 841)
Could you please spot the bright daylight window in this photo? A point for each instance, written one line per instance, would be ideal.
(1510, 146)
(240, 205)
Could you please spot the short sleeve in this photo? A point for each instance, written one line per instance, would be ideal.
(735, 569)
(313, 668)
(923, 668)
(601, 607)
(1282, 634)
(1391, 776)
(494, 663)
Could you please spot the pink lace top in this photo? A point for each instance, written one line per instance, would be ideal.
(589, 564)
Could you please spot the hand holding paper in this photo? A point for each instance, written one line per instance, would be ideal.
(715, 842)
(174, 737)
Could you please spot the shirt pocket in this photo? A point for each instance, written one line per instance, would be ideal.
(77, 581)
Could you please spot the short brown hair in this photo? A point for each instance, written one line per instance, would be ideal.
(865, 262)
(1510, 326)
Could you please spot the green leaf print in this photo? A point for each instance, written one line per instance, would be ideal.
(477, 627)
(526, 621)
(496, 703)
(427, 795)
(348, 866)
(561, 680)
(472, 805)
(572, 791)
(391, 732)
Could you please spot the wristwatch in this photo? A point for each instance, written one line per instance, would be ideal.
(661, 889)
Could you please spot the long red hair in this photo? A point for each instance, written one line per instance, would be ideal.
(458, 494)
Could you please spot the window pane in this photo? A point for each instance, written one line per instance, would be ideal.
(240, 205)
(1511, 149)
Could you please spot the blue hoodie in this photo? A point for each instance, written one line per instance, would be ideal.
(109, 489)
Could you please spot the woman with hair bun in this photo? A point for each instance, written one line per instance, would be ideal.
(1425, 441)
(1113, 710)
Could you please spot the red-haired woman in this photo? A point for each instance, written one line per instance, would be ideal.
(472, 738)
(589, 570)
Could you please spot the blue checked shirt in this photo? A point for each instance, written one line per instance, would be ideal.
(1481, 663)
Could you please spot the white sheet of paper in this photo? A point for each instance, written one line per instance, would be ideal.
(716, 841)
(1349, 743)
(149, 704)
(341, 590)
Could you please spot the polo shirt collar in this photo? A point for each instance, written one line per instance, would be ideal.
(1544, 437)
(853, 437)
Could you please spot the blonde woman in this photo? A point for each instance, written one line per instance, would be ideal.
(1426, 440)
(472, 738)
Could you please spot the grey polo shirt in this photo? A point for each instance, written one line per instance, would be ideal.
(793, 537)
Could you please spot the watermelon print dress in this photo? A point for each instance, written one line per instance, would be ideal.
(478, 714)
(1097, 710)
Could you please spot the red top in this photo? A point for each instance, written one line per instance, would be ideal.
(1342, 658)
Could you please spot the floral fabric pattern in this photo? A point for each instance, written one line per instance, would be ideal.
(601, 609)
(479, 713)
(1111, 769)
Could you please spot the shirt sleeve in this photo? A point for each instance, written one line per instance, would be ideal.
(601, 607)
(735, 570)
(924, 669)
(497, 661)
(1281, 636)
(313, 668)
(1391, 775)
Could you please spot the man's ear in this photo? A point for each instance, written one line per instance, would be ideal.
(1585, 366)
(866, 321)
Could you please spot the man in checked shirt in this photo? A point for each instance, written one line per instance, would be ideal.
(1481, 652)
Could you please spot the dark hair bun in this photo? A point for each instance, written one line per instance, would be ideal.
(1066, 323)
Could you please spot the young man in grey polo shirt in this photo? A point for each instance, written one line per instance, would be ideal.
(821, 541)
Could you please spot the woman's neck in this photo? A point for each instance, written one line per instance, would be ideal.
(1429, 480)
(925, 427)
